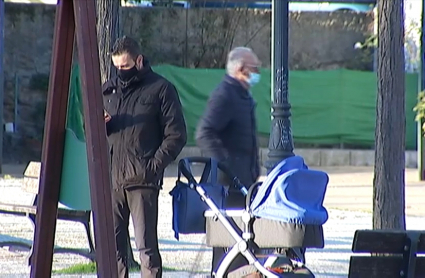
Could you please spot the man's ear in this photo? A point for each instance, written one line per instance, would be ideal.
(244, 71)
(139, 62)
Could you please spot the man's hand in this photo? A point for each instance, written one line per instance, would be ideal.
(106, 115)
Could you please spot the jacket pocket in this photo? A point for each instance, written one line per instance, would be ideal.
(139, 170)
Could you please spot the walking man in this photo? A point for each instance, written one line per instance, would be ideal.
(146, 131)
(227, 130)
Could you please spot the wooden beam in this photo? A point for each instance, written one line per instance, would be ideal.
(53, 141)
(97, 151)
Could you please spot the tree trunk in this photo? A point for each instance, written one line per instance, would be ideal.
(107, 32)
(389, 182)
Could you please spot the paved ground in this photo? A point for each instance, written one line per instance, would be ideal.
(350, 188)
(349, 200)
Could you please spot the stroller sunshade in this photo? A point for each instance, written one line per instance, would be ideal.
(292, 193)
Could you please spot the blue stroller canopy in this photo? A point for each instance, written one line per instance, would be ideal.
(292, 193)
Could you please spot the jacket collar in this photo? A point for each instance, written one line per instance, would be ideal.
(241, 90)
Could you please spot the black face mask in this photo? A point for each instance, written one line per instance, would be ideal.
(126, 75)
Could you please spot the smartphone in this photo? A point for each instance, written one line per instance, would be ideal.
(106, 115)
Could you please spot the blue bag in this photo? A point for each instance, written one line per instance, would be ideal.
(188, 207)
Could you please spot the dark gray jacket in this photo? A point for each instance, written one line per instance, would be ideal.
(227, 130)
(147, 130)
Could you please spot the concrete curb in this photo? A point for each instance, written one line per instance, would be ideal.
(324, 157)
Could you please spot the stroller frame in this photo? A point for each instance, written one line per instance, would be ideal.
(242, 245)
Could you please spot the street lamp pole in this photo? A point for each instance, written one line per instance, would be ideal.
(280, 142)
(2, 23)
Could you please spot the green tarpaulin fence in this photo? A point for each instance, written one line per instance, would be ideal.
(328, 107)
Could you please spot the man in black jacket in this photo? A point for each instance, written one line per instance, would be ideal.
(146, 131)
(227, 130)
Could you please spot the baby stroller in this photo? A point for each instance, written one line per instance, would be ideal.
(284, 215)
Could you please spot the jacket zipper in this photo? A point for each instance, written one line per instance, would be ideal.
(120, 148)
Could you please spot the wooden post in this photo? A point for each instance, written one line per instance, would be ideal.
(53, 141)
(74, 17)
(97, 150)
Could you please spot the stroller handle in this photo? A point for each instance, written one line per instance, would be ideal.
(206, 160)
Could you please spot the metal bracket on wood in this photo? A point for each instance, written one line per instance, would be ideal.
(409, 254)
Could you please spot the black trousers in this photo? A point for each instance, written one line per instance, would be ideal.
(142, 205)
(235, 200)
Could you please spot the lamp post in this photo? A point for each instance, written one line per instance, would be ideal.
(1, 80)
(280, 142)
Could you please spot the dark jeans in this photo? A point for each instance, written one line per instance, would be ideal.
(142, 204)
(233, 200)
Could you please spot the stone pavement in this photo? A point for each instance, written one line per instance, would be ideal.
(351, 188)
(348, 199)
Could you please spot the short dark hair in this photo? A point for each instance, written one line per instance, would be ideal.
(126, 45)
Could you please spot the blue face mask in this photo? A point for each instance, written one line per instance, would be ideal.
(253, 79)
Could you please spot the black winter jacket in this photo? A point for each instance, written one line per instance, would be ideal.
(147, 130)
(227, 130)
